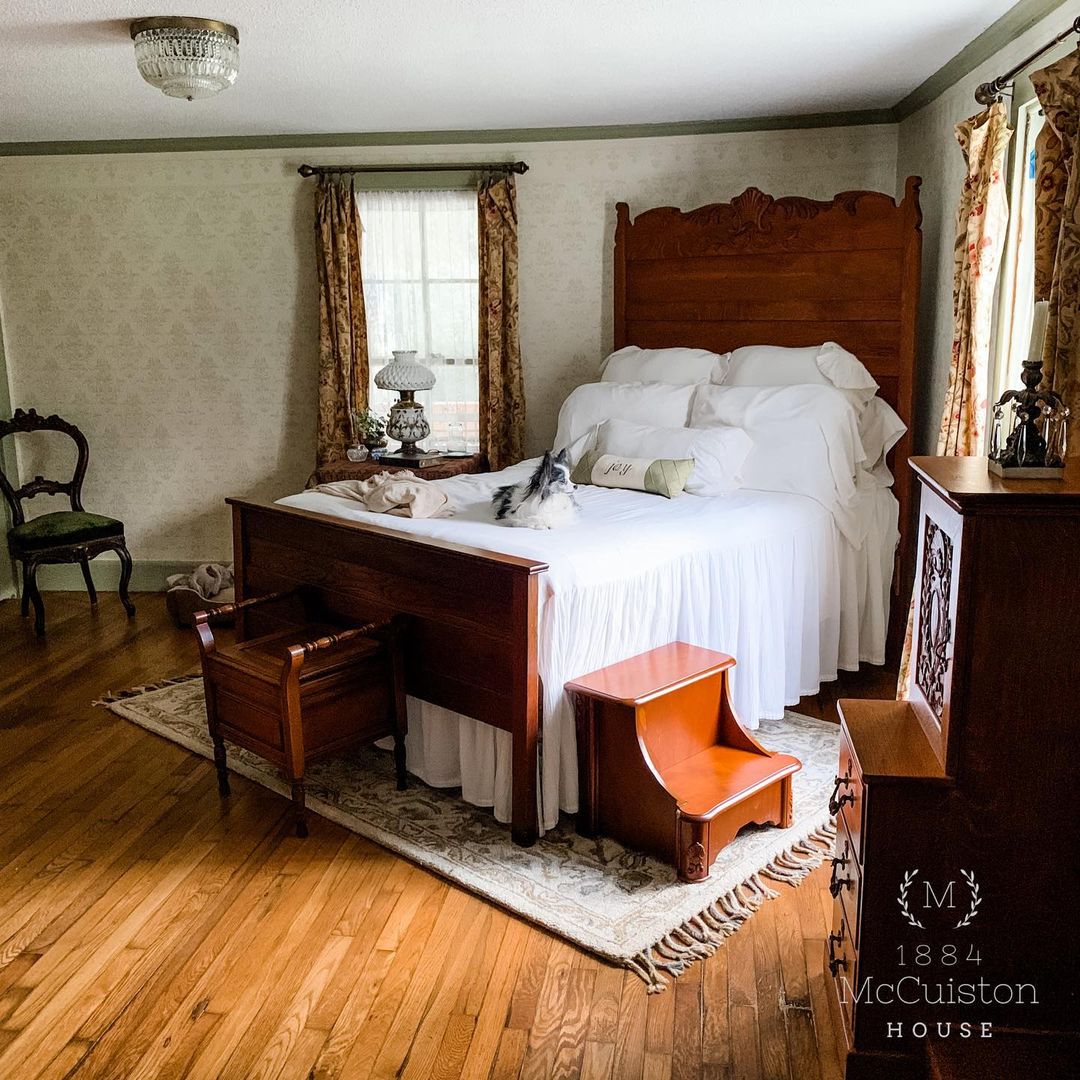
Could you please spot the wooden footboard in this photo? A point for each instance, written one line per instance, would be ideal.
(473, 637)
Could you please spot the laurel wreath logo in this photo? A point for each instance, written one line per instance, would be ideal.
(909, 877)
(976, 899)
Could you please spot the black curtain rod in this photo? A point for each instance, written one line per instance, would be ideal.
(988, 92)
(518, 167)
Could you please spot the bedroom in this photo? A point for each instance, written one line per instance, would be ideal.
(175, 287)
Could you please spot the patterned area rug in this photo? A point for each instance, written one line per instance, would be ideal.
(622, 906)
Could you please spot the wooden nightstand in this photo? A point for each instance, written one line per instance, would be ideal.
(342, 469)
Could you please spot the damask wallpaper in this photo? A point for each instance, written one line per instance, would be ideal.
(166, 303)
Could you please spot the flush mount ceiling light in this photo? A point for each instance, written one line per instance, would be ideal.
(186, 57)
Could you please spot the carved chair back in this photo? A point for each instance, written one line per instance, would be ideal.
(27, 421)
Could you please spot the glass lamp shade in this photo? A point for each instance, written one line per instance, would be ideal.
(405, 372)
(185, 57)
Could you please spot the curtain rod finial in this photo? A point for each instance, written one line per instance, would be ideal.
(306, 170)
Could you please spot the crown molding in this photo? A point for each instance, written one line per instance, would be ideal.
(1017, 20)
(448, 138)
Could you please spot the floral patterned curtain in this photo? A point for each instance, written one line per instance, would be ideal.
(502, 383)
(343, 356)
(981, 220)
(1057, 226)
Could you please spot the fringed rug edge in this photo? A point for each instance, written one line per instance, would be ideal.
(701, 935)
(110, 697)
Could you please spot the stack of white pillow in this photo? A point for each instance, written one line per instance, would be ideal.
(806, 420)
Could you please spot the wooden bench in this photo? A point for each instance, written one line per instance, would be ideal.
(302, 692)
(664, 764)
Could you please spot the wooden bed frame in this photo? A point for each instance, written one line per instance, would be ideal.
(786, 271)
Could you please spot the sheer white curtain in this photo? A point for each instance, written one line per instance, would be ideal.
(421, 291)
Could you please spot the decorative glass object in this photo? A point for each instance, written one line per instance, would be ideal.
(186, 57)
(406, 421)
(1028, 436)
(455, 440)
(357, 453)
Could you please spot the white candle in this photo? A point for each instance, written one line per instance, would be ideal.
(1039, 319)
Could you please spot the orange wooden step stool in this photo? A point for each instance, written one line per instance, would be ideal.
(303, 692)
(664, 764)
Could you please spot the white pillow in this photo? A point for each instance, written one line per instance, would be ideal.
(679, 367)
(805, 441)
(776, 365)
(590, 405)
(880, 429)
(718, 452)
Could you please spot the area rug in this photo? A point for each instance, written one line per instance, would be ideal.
(622, 906)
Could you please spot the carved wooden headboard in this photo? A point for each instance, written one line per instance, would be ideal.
(791, 271)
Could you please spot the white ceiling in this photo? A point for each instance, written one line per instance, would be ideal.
(67, 68)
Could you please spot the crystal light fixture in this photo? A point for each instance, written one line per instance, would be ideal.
(186, 57)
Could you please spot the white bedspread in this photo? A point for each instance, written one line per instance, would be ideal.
(766, 577)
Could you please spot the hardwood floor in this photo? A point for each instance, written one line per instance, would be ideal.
(149, 930)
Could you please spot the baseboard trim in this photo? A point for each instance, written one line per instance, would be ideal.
(147, 575)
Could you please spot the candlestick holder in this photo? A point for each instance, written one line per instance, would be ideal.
(1036, 443)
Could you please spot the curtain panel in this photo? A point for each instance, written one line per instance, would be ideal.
(981, 220)
(502, 383)
(1057, 226)
(343, 358)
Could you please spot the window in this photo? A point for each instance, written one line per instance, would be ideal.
(421, 290)
(1017, 296)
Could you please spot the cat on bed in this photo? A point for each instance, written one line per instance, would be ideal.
(544, 501)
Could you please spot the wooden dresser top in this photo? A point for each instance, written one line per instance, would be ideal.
(889, 740)
(965, 483)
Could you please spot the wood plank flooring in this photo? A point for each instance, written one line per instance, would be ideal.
(149, 930)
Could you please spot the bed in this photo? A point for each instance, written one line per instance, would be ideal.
(502, 617)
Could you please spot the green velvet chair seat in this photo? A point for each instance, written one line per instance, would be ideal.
(64, 527)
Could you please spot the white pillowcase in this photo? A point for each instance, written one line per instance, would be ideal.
(590, 405)
(718, 452)
(805, 441)
(776, 365)
(679, 367)
(880, 429)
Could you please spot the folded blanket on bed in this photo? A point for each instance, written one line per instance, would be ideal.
(402, 493)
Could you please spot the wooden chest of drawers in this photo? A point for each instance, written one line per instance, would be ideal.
(888, 775)
(957, 846)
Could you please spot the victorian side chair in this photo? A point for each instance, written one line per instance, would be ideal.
(66, 536)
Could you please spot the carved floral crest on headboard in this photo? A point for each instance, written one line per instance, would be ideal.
(750, 221)
(756, 219)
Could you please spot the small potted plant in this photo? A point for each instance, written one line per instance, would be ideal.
(370, 428)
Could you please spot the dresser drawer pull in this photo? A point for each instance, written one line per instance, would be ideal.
(836, 800)
(838, 883)
(836, 962)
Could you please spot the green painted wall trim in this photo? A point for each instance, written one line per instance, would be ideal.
(448, 138)
(147, 575)
(1016, 21)
(1021, 17)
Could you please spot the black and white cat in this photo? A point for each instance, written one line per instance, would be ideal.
(544, 501)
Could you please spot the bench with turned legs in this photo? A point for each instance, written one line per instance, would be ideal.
(303, 692)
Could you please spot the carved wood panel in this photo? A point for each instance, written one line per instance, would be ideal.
(935, 623)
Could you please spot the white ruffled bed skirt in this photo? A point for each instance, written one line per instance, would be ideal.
(765, 577)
